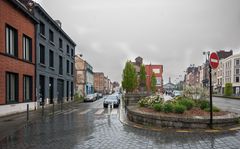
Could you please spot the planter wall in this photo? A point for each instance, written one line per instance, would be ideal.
(145, 118)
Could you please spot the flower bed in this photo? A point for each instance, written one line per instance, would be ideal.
(179, 105)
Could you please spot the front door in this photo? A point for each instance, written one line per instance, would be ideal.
(51, 87)
(41, 89)
(60, 89)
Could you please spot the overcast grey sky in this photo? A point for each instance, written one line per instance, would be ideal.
(169, 32)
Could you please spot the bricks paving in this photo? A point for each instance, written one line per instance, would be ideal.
(78, 129)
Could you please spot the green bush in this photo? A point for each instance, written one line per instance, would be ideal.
(157, 107)
(179, 108)
(228, 90)
(168, 107)
(215, 109)
(78, 97)
(188, 103)
(202, 104)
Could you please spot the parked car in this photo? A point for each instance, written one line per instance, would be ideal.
(90, 97)
(176, 93)
(109, 100)
(100, 95)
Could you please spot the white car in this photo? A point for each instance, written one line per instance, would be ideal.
(90, 97)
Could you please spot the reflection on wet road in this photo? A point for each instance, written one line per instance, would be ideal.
(92, 126)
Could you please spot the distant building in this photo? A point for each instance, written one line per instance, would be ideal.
(192, 76)
(89, 79)
(231, 72)
(84, 76)
(80, 75)
(158, 70)
(137, 64)
(169, 87)
(99, 82)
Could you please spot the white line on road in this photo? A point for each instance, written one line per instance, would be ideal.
(100, 111)
(84, 112)
(114, 111)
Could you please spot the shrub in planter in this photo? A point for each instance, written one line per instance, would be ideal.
(215, 109)
(179, 108)
(188, 103)
(157, 107)
(168, 107)
(203, 104)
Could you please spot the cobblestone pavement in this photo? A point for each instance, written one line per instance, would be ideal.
(91, 126)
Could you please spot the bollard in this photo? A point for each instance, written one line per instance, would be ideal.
(112, 105)
(108, 109)
(27, 112)
(61, 105)
(43, 109)
(53, 107)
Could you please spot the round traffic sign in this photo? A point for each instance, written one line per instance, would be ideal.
(214, 60)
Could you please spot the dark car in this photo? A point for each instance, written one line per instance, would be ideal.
(111, 100)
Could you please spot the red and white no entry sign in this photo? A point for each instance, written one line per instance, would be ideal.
(214, 60)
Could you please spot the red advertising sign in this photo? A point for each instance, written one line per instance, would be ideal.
(214, 60)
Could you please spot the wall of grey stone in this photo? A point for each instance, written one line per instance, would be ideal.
(45, 70)
(145, 118)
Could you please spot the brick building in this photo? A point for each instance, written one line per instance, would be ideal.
(99, 82)
(158, 70)
(17, 57)
(80, 75)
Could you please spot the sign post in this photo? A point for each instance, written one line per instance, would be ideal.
(213, 64)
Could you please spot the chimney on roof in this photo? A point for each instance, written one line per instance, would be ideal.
(59, 23)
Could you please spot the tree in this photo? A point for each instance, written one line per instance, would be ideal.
(228, 90)
(129, 77)
(142, 78)
(153, 82)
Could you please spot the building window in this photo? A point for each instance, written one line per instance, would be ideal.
(72, 91)
(237, 71)
(67, 90)
(237, 62)
(72, 52)
(11, 41)
(68, 66)
(51, 36)
(27, 48)
(42, 28)
(71, 68)
(51, 59)
(27, 88)
(237, 79)
(60, 65)
(60, 43)
(42, 54)
(12, 87)
(67, 49)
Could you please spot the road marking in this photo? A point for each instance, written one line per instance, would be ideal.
(114, 111)
(100, 111)
(236, 128)
(183, 131)
(84, 112)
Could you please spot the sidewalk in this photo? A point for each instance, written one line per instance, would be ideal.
(11, 123)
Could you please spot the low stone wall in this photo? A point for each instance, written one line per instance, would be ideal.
(132, 99)
(146, 118)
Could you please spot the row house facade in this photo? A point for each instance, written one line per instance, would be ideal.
(230, 68)
(99, 82)
(84, 76)
(158, 71)
(54, 61)
(17, 57)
